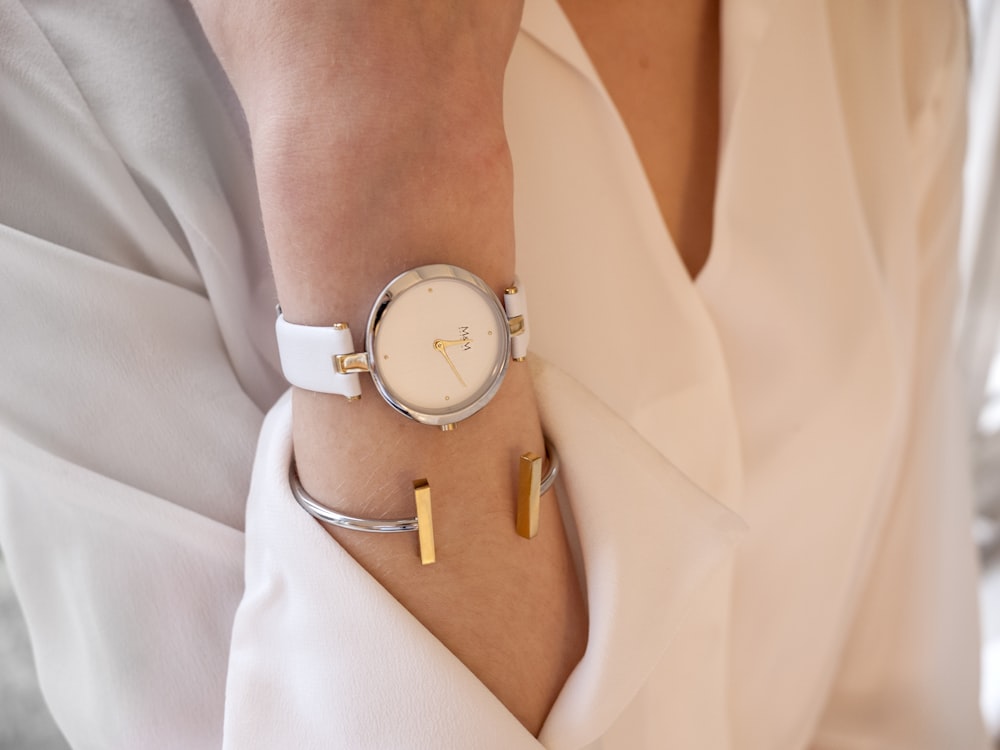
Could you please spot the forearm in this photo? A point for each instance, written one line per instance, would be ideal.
(378, 142)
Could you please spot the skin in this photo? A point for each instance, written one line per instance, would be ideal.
(378, 143)
(665, 83)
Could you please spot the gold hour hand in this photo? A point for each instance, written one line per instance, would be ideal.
(441, 346)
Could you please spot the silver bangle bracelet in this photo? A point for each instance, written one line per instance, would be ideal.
(390, 525)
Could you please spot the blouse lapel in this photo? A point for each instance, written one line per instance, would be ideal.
(649, 539)
(652, 470)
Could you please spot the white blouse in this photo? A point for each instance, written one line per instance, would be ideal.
(764, 467)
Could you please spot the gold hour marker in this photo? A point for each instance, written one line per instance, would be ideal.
(385, 356)
(447, 398)
(430, 289)
(490, 333)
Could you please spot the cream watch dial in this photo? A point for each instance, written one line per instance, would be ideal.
(438, 344)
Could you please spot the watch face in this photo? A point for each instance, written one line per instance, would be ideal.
(438, 343)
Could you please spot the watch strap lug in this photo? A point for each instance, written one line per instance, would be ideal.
(345, 364)
(516, 305)
(309, 357)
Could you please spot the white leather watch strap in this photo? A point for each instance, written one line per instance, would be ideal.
(308, 357)
(515, 303)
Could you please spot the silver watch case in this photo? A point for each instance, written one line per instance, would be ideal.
(398, 287)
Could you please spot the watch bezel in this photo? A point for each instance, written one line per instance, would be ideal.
(397, 287)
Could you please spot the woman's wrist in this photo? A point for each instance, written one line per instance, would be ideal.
(378, 139)
(394, 166)
(361, 458)
(339, 230)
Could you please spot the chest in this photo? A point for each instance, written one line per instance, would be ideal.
(659, 62)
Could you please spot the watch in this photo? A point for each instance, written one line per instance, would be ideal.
(437, 346)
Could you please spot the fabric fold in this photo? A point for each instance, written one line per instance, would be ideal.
(397, 685)
(323, 656)
(649, 537)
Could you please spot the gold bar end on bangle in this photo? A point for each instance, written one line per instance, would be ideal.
(528, 495)
(425, 523)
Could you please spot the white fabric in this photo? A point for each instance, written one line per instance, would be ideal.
(980, 245)
(803, 383)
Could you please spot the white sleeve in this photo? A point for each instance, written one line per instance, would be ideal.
(908, 670)
(125, 436)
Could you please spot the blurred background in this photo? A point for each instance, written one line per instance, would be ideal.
(979, 327)
(26, 725)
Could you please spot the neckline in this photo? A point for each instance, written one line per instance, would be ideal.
(547, 23)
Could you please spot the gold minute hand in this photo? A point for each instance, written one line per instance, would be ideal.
(441, 346)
